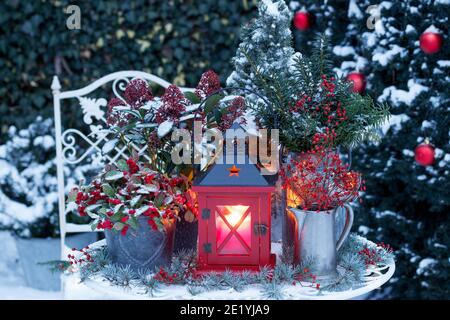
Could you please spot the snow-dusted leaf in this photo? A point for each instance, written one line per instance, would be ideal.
(141, 210)
(92, 215)
(113, 175)
(108, 190)
(109, 146)
(164, 128)
(72, 196)
(118, 226)
(94, 225)
(148, 188)
(93, 207)
(122, 165)
(135, 200)
(168, 200)
(118, 207)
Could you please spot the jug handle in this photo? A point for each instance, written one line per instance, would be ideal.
(347, 227)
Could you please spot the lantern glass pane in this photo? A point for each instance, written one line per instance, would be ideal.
(233, 229)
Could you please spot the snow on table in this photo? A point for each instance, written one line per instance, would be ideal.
(100, 289)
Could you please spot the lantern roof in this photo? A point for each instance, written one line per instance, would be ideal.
(235, 169)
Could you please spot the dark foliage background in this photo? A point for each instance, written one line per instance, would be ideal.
(176, 40)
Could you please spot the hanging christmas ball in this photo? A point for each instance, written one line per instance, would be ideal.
(303, 20)
(431, 42)
(424, 154)
(359, 81)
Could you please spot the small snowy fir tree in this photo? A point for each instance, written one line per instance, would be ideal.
(266, 42)
(28, 185)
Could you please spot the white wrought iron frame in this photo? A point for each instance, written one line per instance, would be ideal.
(66, 142)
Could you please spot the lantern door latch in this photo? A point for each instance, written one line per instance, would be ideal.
(207, 247)
(206, 213)
(260, 229)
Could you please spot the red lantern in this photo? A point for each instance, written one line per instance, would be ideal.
(359, 81)
(430, 42)
(303, 20)
(424, 154)
(234, 218)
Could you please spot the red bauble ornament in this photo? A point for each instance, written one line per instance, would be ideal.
(424, 154)
(359, 81)
(431, 42)
(303, 20)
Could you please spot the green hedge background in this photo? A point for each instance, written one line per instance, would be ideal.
(176, 40)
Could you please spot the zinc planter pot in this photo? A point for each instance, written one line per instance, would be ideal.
(314, 236)
(141, 248)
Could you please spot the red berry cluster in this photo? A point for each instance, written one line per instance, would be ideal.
(174, 104)
(84, 256)
(209, 83)
(326, 108)
(373, 256)
(132, 165)
(319, 177)
(165, 276)
(234, 111)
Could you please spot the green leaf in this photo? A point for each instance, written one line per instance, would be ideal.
(212, 102)
(122, 165)
(192, 97)
(135, 200)
(159, 200)
(108, 190)
(113, 175)
(94, 225)
(133, 222)
(141, 210)
(72, 196)
(118, 226)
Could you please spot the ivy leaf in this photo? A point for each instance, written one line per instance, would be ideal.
(122, 165)
(212, 102)
(109, 146)
(192, 97)
(113, 175)
(108, 190)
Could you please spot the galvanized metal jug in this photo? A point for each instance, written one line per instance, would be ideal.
(315, 238)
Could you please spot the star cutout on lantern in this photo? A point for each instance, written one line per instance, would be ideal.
(234, 171)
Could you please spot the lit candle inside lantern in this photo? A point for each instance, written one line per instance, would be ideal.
(238, 242)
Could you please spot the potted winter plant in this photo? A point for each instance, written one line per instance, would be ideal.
(137, 208)
(321, 184)
(147, 121)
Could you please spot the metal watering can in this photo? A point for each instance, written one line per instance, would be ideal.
(315, 237)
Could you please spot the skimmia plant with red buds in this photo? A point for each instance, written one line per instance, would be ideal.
(129, 190)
